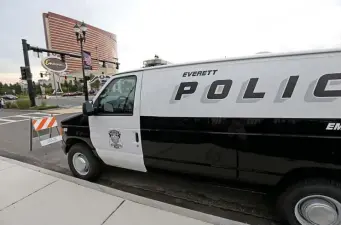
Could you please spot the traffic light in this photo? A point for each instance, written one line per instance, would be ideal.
(65, 77)
(24, 72)
(41, 75)
(75, 78)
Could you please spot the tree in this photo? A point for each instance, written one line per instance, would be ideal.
(1, 88)
(96, 84)
(38, 89)
(5, 89)
(65, 86)
(17, 88)
(77, 86)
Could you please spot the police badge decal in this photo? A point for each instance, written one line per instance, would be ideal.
(114, 139)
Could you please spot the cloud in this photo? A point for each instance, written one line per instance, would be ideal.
(180, 31)
(15, 77)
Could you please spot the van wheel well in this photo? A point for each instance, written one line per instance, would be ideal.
(296, 175)
(71, 142)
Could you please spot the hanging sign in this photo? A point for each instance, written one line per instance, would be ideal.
(87, 60)
(54, 64)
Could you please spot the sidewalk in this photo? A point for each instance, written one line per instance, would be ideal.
(32, 195)
(75, 109)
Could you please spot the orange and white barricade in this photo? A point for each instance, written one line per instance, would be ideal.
(43, 130)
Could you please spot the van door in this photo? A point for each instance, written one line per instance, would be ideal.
(115, 127)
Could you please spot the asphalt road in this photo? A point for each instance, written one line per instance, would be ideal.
(228, 200)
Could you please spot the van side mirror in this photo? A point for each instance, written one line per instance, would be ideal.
(88, 109)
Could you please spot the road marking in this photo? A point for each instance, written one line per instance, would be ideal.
(6, 123)
(36, 113)
(6, 120)
(22, 116)
(25, 117)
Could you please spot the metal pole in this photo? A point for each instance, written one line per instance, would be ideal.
(55, 85)
(31, 131)
(37, 49)
(85, 86)
(25, 47)
(51, 115)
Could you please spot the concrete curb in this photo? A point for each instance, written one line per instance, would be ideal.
(21, 110)
(76, 109)
(31, 110)
(131, 197)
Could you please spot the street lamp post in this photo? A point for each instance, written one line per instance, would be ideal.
(80, 31)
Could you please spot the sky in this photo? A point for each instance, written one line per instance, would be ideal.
(176, 30)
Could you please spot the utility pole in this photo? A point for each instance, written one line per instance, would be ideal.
(29, 75)
(80, 31)
(85, 79)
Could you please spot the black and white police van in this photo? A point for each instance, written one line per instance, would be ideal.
(271, 119)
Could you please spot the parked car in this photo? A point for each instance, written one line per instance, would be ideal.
(10, 97)
(66, 94)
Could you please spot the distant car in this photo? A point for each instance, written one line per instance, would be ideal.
(72, 94)
(79, 93)
(59, 93)
(10, 97)
(66, 94)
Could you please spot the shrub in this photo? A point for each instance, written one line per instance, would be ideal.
(8, 105)
(23, 103)
(13, 105)
(43, 103)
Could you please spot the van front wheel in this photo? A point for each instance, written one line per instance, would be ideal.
(311, 202)
(83, 163)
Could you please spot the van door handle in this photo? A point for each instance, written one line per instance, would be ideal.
(137, 137)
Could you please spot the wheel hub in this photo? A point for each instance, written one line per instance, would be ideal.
(80, 163)
(318, 210)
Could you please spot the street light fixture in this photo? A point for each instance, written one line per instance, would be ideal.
(80, 31)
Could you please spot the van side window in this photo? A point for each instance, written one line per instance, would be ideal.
(118, 97)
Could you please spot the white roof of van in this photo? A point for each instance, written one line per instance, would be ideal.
(255, 56)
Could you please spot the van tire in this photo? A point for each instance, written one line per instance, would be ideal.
(82, 152)
(307, 191)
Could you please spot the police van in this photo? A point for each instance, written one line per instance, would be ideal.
(271, 119)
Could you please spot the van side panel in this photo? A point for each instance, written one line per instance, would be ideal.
(260, 117)
(188, 145)
(268, 148)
